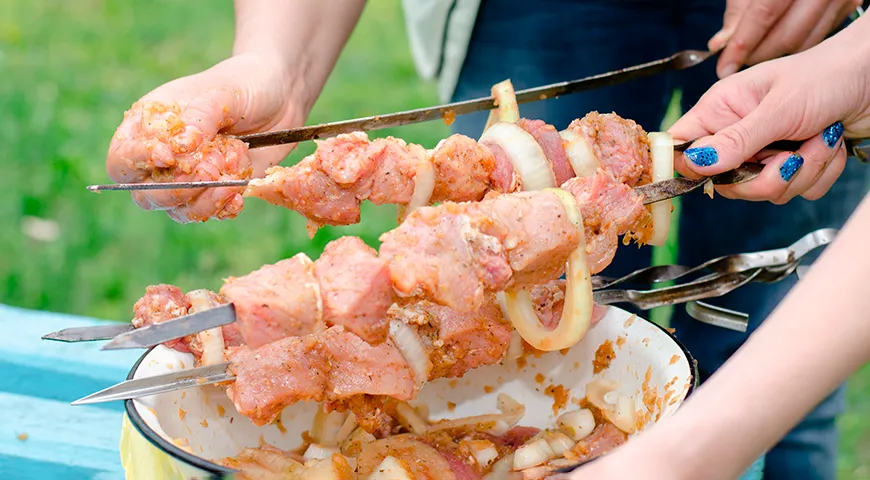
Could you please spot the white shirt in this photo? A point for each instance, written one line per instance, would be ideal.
(439, 32)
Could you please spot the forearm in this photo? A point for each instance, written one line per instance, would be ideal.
(817, 337)
(307, 35)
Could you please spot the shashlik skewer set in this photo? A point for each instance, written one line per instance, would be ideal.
(487, 228)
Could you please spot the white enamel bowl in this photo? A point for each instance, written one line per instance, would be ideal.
(206, 424)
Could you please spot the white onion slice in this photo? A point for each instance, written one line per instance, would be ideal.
(318, 452)
(410, 419)
(532, 454)
(578, 424)
(525, 154)
(424, 185)
(577, 312)
(412, 350)
(390, 469)
(506, 102)
(580, 154)
(617, 407)
(326, 426)
(211, 340)
(661, 148)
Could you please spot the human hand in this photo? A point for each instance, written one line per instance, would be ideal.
(638, 458)
(822, 95)
(178, 132)
(754, 31)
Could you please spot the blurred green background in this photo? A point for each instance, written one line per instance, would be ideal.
(68, 70)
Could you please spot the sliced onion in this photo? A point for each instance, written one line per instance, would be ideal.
(333, 468)
(424, 185)
(502, 470)
(661, 148)
(483, 451)
(496, 424)
(391, 469)
(410, 419)
(525, 154)
(506, 102)
(577, 312)
(350, 424)
(580, 154)
(326, 426)
(578, 424)
(318, 452)
(211, 340)
(616, 407)
(532, 454)
(408, 343)
(709, 188)
(558, 441)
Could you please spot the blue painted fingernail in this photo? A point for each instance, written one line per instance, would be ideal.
(832, 134)
(702, 156)
(791, 166)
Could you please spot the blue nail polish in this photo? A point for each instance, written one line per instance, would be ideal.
(832, 134)
(702, 156)
(791, 166)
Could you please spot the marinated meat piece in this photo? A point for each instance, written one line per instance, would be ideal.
(551, 143)
(609, 209)
(276, 375)
(396, 167)
(462, 170)
(621, 146)
(549, 300)
(355, 287)
(356, 367)
(325, 366)
(376, 415)
(454, 254)
(157, 142)
(503, 177)
(159, 304)
(467, 340)
(306, 189)
(603, 439)
(276, 301)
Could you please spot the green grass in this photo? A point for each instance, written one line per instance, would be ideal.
(68, 70)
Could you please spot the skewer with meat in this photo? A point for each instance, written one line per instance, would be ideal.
(328, 186)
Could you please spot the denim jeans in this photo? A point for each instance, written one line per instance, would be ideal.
(547, 41)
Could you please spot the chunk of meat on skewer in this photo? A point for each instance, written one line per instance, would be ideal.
(159, 304)
(551, 143)
(620, 145)
(609, 209)
(454, 254)
(355, 287)
(322, 366)
(276, 301)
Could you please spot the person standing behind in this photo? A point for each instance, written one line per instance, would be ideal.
(469, 45)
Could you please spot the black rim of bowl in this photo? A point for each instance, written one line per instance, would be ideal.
(215, 469)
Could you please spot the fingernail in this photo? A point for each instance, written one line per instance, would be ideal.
(728, 70)
(790, 166)
(702, 156)
(832, 134)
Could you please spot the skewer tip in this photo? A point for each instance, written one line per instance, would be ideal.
(93, 188)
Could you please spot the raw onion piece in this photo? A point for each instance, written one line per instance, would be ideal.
(524, 153)
(483, 451)
(583, 160)
(326, 426)
(618, 408)
(661, 148)
(578, 424)
(318, 452)
(577, 312)
(507, 109)
(410, 419)
(424, 185)
(391, 469)
(497, 424)
(412, 350)
(533, 454)
(211, 340)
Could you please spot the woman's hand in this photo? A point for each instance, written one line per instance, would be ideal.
(754, 31)
(171, 134)
(818, 96)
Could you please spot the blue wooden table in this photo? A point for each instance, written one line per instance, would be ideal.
(41, 435)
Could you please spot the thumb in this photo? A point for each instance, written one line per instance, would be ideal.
(735, 144)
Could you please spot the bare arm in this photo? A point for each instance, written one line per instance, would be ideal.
(307, 34)
(811, 343)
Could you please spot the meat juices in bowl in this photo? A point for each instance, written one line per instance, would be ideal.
(198, 431)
